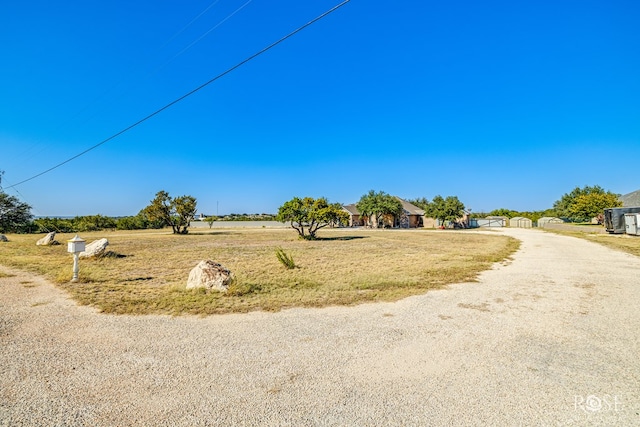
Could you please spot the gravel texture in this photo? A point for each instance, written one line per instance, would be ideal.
(548, 338)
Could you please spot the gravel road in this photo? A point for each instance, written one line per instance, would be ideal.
(549, 338)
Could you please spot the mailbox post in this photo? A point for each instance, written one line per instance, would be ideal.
(75, 246)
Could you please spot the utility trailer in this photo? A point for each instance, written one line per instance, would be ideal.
(614, 219)
(632, 223)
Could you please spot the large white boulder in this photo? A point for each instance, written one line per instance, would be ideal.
(49, 239)
(211, 276)
(95, 248)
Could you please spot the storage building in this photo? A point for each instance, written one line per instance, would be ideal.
(520, 222)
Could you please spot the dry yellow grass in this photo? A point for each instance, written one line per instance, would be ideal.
(146, 271)
(621, 242)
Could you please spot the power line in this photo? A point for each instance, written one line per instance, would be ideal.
(208, 31)
(202, 86)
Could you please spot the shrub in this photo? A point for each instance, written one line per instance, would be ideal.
(285, 259)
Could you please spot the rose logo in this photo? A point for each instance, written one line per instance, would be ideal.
(593, 403)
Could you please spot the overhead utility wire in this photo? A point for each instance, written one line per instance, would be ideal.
(202, 86)
(211, 29)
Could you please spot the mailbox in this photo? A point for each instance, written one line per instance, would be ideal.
(76, 245)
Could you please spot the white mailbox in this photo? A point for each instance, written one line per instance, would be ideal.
(77, 244)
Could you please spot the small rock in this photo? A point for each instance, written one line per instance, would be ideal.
(210, 275)
(95, 248)
(3, 238)
(47, 240)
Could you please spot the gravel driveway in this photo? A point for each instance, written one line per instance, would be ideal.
(549, 338)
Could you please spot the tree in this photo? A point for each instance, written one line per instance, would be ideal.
(504, 212)
(447, 210)
(589, 206)
(308, 215)
(175, 212)
(377, 205)
(15, 215)
(210, 220)
(582, 204)
(421, 202)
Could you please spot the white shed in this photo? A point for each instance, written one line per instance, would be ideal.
(520, 222)
(542, 222)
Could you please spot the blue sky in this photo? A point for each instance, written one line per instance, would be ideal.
(501, 103)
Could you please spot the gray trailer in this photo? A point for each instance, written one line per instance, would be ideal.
(614, 219)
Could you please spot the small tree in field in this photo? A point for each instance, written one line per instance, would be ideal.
(210, 220)
(308, 215)
(175, 212)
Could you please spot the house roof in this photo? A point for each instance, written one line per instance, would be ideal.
(411, 208)
(351, 209)
(408, 207)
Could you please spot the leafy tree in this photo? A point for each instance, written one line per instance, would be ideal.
(504, 212)
(445, 210)
(587, 206)
(582, 204)
(15, 215)
(377, 205)
(210, 220)
(421, 202)
(308, 215)
(175, 212)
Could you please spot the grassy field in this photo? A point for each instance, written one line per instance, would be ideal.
(146, 271)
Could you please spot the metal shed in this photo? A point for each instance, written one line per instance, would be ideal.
(542, 222)
(488, 222)
(614, 219)
(520, 222)
(632, 223)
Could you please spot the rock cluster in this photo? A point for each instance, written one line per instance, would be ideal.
(95, 248)
(49, 239)
(211, 276)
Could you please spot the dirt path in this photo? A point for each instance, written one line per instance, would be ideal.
(549, 339)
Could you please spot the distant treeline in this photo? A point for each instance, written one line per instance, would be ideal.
(90, 223)
(100, 222)
(247, 217)
(532, 215)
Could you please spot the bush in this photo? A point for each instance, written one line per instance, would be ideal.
(93, 223)
(285, 259)
(59, 225)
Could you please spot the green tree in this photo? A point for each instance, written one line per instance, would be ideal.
(377, 205)
(420, 202)
(504, 212)
(308, 215)
(15, 215)
(175, 212)
(446, 210)
(210, 220)
(589, 206)
(582, 204)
